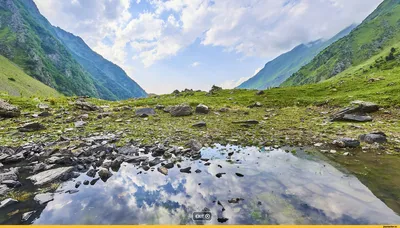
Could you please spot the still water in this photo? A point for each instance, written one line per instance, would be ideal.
(259, 186)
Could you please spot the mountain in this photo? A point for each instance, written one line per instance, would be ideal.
(30, 41)
(111, 76)
(379, 31)
(15, 82)
(278, 70)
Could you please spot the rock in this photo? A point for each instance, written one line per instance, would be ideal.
(197, 171)
(83, 117)
(10, 175)
(72, 191)
(103, 115)
(186, 170)
(4, 190)
(86, 182)
(366, 107)
(49, 176)
(26, 216)
(235, 200)
(39, 167)
(7, 202)
(223, 110)
(356, 112)
(160, 107)
(31, 127)
(260, 92)
(91, 173)
(222, 220)
(239, 175)
(318, 144)
(202, 109)
(145, 112)
(45, 114)
(255, 105)
(346, 154)
(80, 124)
(14, 158)
(194, 145)
(94, 181)
(169, 165)
(155, 162)
(356, 118)
(104, 174)
(219, 175)
(44, 198)
(8, 111)
(11, 183)
(42, 106)
(346, 142)
(200, 124)
(83, 105)
(116, 163)
(163, 170)
(376, 137)
(333, 151)
(180, 110)
(77, 184)
(246, 122)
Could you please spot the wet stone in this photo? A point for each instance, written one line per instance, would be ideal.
(186, 170)
(44, 198)
(163, 170)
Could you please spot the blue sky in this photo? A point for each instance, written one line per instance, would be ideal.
(175, 44)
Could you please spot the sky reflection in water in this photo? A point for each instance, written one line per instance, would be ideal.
(277, 188)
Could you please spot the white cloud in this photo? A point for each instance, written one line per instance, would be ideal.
(195, 64)
(230, 84)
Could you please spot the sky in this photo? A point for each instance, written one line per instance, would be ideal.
(176, 44)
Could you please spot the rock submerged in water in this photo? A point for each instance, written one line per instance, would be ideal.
(44, 198)
(104, 174)
(8, 111)
(180, 110)
(346, 142)
(376, 137)
(31, 127)
(163, 170)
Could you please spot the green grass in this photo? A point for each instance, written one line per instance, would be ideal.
(16, 83)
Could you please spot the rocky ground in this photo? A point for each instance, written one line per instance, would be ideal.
(48, 141)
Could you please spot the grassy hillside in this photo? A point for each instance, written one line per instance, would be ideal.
(381, 30)
(278, 70)
(16, 83)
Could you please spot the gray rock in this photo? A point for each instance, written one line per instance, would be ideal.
(39, 167)
(83, 105)
(7, 202)
(10, 175)
(116, 163)
(11, 183)
(255, 105)
(80, 124)
(155, 162)
(45, 114)
(160, 107)
(194, 145)
(8, 111)
(4, 190)
(31, 127)
(200, 124)
(186, 170)
(365, 107)
(91, 173)
(86, 182)
(103, 115)
(356, 118)
(49, 176)
(246, 122)
(163, 170)
(1, 165)
(104, 174)
(42, 106)
(202, 109)
(26, 216)
(44, 198)
(260, 92)
(181, 110)
(376, 137)
(346, 142)
(223, 110)
(14, 158)
(169, 165)
(356, 112)
(145, 112)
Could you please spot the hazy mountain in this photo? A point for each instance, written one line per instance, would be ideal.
(278, 70)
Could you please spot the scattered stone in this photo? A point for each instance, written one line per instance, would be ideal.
(50, 175)
(39, 167)
(235, 200)
(11, 175)
(145, 112)
(223, 110)
(356, 112)
(197, 171)
(246, 122)
(163, 170)
(180, 110)
(169, 165)
(103, 115)
(160, 107)
(186, 170)
(356, 118)
(83, 116)
(44, 198)
(7, 110)
(72, 191)
(346, 142)
(333, 151)
(7, 202)
(11, 183)
(4, 190)
(94, 181)
(318, 144)
(80, 124)
(202, 109)
(255, 105)
(366, 107)
(155, 162)
(45, 114)
(219, 175)
(346, 154)
(77, 184)
(91, 173)
(239, 175)
(116, 163)
(86, 182)
(83, 105)
(376, 137)
(43, 106)
(260, 92)
(194, 145)
(104, 174)
(200, 124)
(31, 127)
(26, 216)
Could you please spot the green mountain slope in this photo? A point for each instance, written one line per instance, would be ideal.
(16, 83)
(109, 75)
(377, 32)
(278, 70)
(30, 41)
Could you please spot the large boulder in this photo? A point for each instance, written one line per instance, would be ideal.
(202, 109)
(365, 107)
(145, 112)
(31, 127)
(50, 175)
(356, 112)
(376, 137)
(7, 110)
(181, 110)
